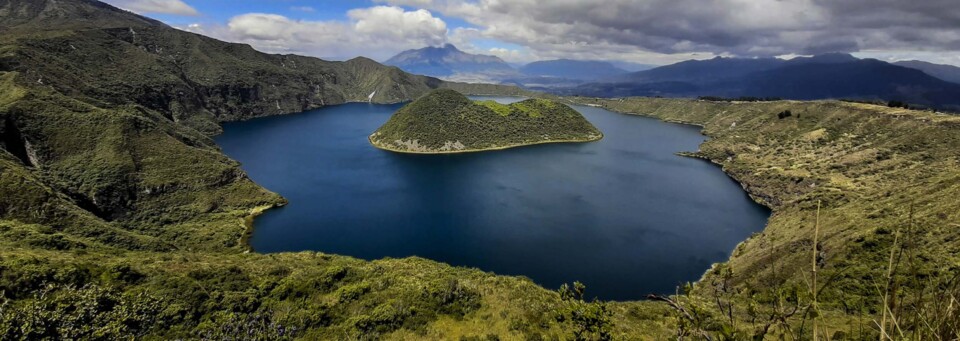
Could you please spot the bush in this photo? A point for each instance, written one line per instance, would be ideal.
(68, 313)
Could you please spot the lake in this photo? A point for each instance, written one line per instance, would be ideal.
(624, 215)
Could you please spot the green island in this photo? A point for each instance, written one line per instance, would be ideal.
(445, 121)
(121, 219)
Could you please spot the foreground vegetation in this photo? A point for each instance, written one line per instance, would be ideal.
(445, 121)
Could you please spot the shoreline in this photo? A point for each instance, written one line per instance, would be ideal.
(390, 149)
(248, 224)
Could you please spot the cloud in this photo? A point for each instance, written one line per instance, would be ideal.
(177, 7)
(666, 29)
(306, 9)
(377, 32)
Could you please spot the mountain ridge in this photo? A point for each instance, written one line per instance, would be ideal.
(447, 60)
(945, 72)
(829, 76)
(572, 69)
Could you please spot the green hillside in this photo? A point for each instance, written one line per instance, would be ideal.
(445, 121)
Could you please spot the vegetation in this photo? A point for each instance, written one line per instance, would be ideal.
(898, 104)
(445, 121)
(739, 99)
(885, 243)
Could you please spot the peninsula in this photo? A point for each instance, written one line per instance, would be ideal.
(445, 121)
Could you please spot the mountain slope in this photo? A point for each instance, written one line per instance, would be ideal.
(447, 61)
(871, 79)
(702, 71)
(572, 69)
(818, 77)
(445, 121)
(45, 15)
(948, 73)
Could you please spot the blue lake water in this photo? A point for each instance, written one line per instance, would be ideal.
(624, 215)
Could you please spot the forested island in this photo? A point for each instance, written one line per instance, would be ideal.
(445, 121)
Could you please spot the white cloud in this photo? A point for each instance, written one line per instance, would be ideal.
(393, 24)
(376, 32)
(306, 9)
(177, 7)
(664, 30)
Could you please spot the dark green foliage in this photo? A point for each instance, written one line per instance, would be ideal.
(447, 121)
(87, 313)
(454, 299)
(898, 104)
(589, 320)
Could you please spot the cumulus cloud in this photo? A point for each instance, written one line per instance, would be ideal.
(670, 28)
(177, 7)
(377, 32)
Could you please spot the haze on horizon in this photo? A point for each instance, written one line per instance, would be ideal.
(640, 31)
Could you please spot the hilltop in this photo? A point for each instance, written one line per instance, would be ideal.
(445, 121)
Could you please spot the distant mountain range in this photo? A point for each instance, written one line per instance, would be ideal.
(948, 73)
(839, 76)
(572, 69)
(450, 63)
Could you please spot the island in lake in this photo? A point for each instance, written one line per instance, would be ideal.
(445, 121)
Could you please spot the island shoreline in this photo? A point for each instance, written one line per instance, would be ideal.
(389, 149)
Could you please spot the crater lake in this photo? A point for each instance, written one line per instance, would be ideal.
(624, 215)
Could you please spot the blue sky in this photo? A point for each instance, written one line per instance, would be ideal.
(223, 10)
(640, 31)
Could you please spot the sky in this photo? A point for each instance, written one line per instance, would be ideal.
(656, 32)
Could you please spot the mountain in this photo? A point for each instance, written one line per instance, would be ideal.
(572, 69)
(948, 73)
(445, 121)
(818, 77)
(43, 15)
(632, 67)
(866, 79)
(701, 71)
(447, 61)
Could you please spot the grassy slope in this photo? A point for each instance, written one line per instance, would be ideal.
(445, 121)
(879, 172)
